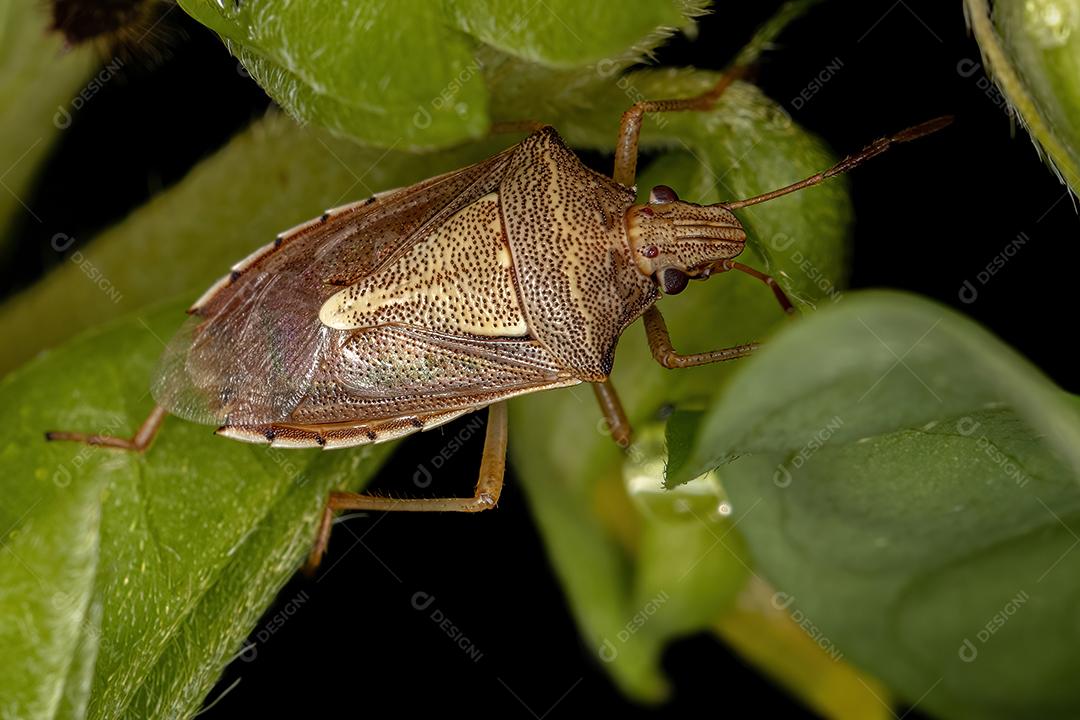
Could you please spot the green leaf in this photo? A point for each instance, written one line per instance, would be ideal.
(196, 537)
(790, 652)
(48, 560)
(40, 84)
(679, 436)
(567, 33)
(1032, 50)
(388, 74)
(415, 74)
(911, 484)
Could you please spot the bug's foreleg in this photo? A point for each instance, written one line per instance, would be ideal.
(136, 443)
(488, 488)
(781, 296)
(662, 351)
(626, 147)
(614, 415)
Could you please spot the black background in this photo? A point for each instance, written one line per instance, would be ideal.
(929, 216)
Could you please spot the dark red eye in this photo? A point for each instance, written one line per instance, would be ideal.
(650, 251)
(662, 194)
(673, 281)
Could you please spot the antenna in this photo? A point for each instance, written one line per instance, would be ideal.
(872, 150)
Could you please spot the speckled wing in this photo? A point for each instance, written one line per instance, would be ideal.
(254, 344)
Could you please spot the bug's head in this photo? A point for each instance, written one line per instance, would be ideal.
(674, 242)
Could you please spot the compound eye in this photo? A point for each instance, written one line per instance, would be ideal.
(673, 281)
(662, 194)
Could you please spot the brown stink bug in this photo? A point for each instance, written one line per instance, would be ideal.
(406, 310)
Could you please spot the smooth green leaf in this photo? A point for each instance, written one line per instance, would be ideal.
(789, 650)
(679, 436)
(196, 535)
(910, 484)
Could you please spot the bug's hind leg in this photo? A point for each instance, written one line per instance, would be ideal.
(626, 148)
(488, 488)
(614, 415)
(136, 443)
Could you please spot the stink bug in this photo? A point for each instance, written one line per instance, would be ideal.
(406, 310)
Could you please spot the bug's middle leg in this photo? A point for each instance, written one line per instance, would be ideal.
(626, 148)
(488, 488)
(663, 352)
(614, 415)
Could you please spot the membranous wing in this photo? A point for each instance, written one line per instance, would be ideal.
(402, 371)
(254, 343)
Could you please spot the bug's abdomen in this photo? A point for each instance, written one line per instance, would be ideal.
(458, 280)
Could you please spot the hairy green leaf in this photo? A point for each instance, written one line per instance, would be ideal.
(49, 555)
(414, 74)
(195, 536)
(1032, 49)
(567, 33)
(385, 73)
